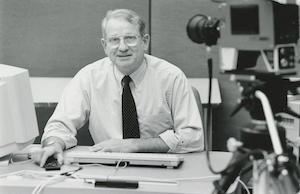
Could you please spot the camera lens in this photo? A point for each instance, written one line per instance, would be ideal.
(195, 28)
(201, 29)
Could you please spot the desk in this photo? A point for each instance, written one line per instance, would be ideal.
(201, 84)
(46, 91)
(194, 165)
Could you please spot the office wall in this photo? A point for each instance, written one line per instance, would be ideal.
(56, 38)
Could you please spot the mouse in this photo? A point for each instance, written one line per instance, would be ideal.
(52, 164)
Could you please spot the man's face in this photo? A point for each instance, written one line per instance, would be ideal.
(126, 58)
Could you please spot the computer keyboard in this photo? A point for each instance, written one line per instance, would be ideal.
(140, 159)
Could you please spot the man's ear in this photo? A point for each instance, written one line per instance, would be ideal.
(146, 40)
(104, 45)
(103, 42)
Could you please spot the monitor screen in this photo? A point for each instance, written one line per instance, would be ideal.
(18, 122)
(244, 19)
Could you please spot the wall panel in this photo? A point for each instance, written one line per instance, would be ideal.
(55, 38)
(169, 38)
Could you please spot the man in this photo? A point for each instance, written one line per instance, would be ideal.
(167, 116)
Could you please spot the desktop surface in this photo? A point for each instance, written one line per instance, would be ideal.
(193, 176)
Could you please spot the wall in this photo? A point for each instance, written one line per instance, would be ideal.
(55, 38)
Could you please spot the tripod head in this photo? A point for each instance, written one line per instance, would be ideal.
(273, 86)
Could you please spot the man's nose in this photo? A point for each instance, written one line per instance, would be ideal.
(123, 46)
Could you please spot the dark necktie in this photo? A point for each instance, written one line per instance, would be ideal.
(129, 115)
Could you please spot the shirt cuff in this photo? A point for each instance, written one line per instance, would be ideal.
(67, 139)
(46, 141)
(183, 143)
(173, 141)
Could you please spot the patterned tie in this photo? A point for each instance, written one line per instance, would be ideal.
(129, 115)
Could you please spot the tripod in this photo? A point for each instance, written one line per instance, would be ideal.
(274, 168)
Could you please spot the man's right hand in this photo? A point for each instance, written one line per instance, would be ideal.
(40, 155)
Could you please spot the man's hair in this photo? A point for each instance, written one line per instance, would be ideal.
(126, 14)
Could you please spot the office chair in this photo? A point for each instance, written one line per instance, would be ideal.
(199, 103)
(200, 108)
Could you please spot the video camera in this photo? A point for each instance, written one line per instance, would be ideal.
(249, 29)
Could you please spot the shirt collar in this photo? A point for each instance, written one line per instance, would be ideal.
(135, 76)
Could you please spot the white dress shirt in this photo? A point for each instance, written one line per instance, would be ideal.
(165, 103)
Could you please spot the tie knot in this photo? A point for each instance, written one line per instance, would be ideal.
(126, 79)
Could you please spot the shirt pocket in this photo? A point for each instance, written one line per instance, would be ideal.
(154, 125)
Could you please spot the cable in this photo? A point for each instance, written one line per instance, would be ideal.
(28, 172)
(244, 185)
(215, 191)
(209, 64)
(116, 168)
(71, 172)
(94, 164)
(42, 185)
(208, 120)
(128, 178)
(85, 177)
(56, 178)
(39, 174)
(196, 178)
(11, 160)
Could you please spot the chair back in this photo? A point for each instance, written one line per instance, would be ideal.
(200, 108)
(199, 103)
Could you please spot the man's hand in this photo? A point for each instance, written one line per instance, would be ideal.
(131, 145)
(41, 155)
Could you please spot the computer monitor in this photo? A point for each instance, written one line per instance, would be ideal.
(18, 122)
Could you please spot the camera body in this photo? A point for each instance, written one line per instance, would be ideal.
(253, 28)
(249, 29)
(259, 24)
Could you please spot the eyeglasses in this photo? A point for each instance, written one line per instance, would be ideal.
(130, 40)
